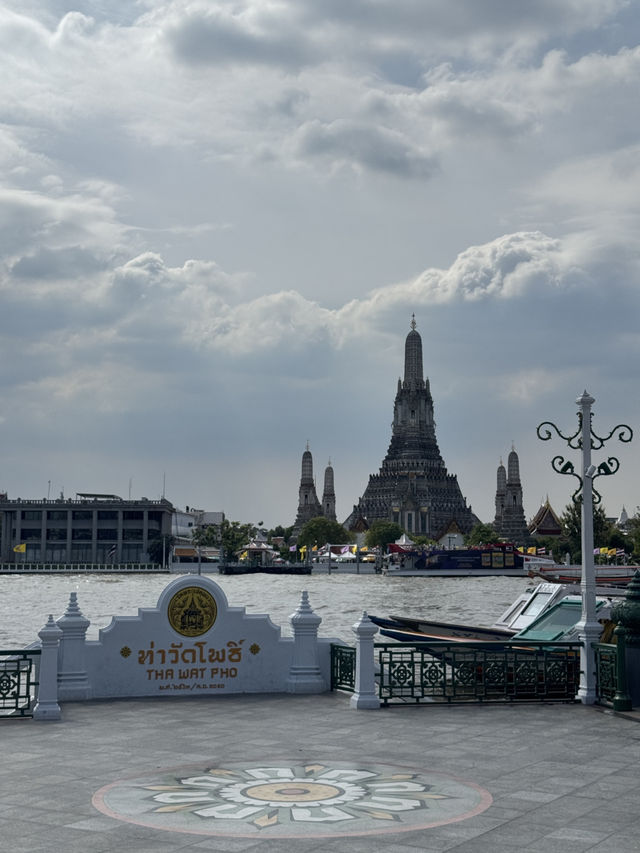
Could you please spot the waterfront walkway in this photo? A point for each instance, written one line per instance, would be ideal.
(287, 773)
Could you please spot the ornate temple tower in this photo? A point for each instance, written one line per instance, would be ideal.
(308, 504)
(329, 494)
(413, 487)
(510, 522)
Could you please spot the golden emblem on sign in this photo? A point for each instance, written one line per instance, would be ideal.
(192, 611)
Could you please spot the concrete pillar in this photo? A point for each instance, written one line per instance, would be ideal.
(73, 681)
(305, 675)
(47, 707)
(365, 696)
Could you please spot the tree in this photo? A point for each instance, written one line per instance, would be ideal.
(481, 534)
(633, 527)
(280, 531)
(572, 524)
(423, 541)
(322, 531)
(382, 533)
(231, 535)
(159, 549)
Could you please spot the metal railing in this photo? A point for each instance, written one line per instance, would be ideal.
(606, 668)
(68, 568)
(485, 672)
(343, 668)
(18, 682)
(441, 671)
(611, 672)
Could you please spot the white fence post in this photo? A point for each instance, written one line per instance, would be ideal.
(73, 681)
(365, 696)
(47, 707)
(305, 675)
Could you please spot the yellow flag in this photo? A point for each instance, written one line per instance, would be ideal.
(21, 549)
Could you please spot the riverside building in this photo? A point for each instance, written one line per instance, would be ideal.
(92, 528)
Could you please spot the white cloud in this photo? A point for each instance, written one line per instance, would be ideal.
(214, 207)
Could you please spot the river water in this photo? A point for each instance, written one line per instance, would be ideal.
(339, 600)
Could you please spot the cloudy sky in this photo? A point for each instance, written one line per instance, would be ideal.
(218, 216)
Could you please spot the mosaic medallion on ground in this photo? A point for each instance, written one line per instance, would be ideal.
(287, 800)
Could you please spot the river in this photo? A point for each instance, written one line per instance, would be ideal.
(339, 600)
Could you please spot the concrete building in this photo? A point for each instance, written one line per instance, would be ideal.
(92, 528)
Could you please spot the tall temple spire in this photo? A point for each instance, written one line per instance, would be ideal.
(329, 494)
(308, 504)
(510, 522)
(413, 487)
(413, 355)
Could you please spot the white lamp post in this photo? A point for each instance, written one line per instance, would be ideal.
(586, 440)
(589, 629)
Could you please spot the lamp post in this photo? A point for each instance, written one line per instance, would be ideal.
(586, 440)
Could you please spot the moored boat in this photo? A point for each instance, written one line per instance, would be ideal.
(521, 615)
(616, 576)
(483, 561)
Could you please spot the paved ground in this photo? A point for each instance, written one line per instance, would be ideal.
(110, 775)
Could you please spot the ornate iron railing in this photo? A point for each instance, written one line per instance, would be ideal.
(606, 671)
(343, 668)
(18, 682)
(484, 672)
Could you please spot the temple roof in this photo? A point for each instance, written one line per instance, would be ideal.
(545, 522)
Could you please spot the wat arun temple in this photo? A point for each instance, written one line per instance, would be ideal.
(413, 487)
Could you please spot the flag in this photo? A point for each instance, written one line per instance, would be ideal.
(315, 548)
(21, 549)
(292, 547)
(303, 550)
(541, 551)
(531, 551)
(620, 552)
(612, 552)
(112, 550)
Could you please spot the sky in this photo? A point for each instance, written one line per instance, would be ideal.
(217, 218)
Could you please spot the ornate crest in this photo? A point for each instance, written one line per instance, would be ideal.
(192, 611)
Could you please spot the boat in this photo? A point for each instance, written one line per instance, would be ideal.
(499, 558)
(523, 613)
(274, 569)
(610, 576)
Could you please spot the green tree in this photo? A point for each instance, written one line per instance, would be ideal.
(633, 536)
(231, 535)
(422, 540)
(279, 530)
(572, 524)
(481, 534)
(322, 531)
(159, 549)
(382, 533)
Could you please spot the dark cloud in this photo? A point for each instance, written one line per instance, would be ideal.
(70, 263)
(215, 38)
(378, 149)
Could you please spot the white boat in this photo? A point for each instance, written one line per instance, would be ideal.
(526, 610)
